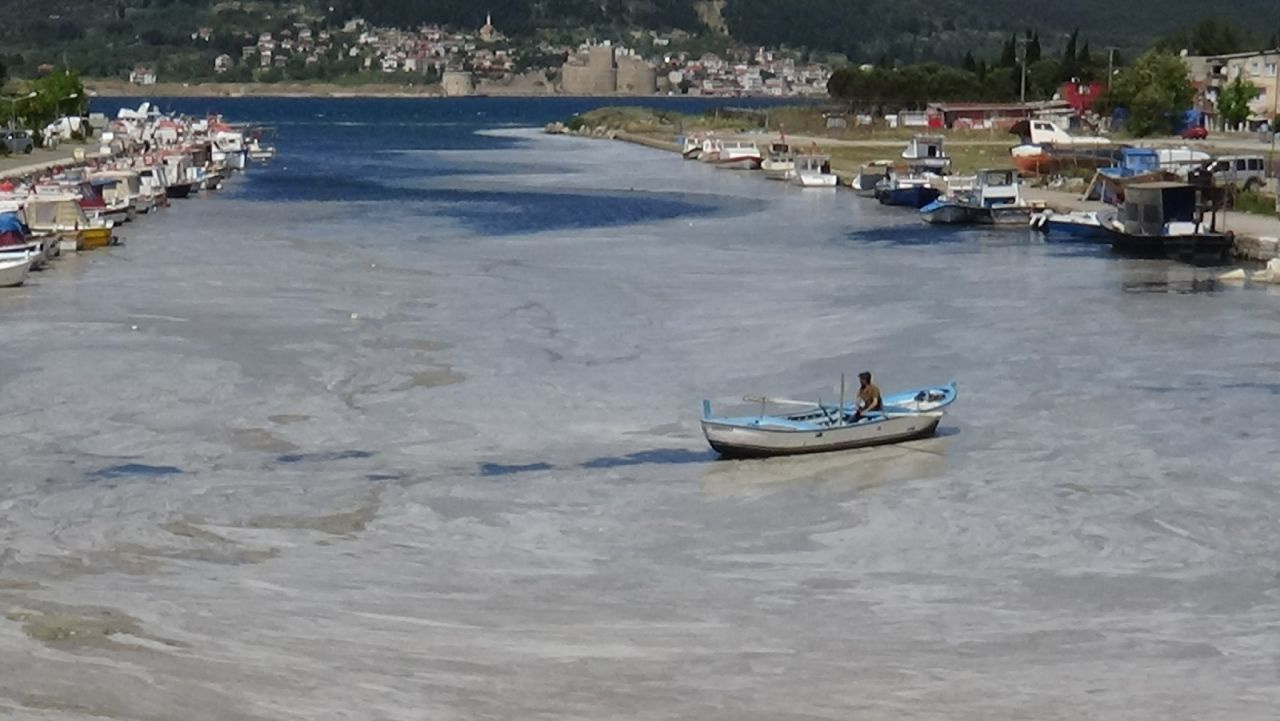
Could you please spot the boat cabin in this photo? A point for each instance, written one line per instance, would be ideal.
(1168, 208)
(926, 152)
(997, 187)
(55, 213)
(813, 164)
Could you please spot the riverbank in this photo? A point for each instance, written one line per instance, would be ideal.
(1257, 237)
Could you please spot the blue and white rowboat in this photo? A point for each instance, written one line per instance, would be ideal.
(907, 415)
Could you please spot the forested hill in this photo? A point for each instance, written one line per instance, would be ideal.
(100, 36)
(904, 30)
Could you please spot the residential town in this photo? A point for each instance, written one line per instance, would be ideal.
(486, 60)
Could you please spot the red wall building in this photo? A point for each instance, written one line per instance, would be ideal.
(1081, 96)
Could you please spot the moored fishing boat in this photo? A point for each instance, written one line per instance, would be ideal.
(908, 191)
(62, 216)
(870, 176)
(994, 200)
(738, 155)
(819, 428)
(780, 163)
(1074, 225)
(1171, 220)
(814, 171)
(690, 147)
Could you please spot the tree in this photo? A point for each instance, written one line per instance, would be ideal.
(968, 63)
(1033, 48)
(1008, 53)
(1233, 102)
(1155, 90)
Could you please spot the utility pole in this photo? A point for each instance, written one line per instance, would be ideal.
(1022, 56)
(1111, 63)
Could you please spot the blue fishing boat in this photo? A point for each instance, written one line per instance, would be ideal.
(908, 192)
(818, 428)
(995, 199)
(1087, 225)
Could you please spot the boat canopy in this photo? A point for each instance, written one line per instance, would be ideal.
(1149, 207)
(11, 223)
(49, 212)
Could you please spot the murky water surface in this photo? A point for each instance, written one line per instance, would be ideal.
(408, 429)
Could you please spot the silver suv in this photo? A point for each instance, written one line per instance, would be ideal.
(1247, 172)
(17, 141)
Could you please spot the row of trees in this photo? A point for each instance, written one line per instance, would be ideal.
(911, 86)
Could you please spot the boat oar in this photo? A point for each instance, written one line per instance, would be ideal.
(778, 401)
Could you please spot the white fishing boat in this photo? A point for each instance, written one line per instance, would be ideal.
(710, 151)
(691, 147)
(819, 428)
(926, 154)
(14, 272)
(814, 171)
(258, 152)
(780, 163)
(738, 155)
(870, 176)
(128, 186)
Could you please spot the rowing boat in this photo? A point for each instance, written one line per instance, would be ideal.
(818, 428)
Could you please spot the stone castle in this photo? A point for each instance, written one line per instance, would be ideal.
(602, 70)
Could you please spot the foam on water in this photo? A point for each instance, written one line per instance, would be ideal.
(1091, 535)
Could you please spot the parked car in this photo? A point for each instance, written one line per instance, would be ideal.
(1195, 132)
(17, 141)
(1240, 171)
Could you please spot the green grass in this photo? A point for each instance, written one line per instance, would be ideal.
(1251, 201)
(965, 158)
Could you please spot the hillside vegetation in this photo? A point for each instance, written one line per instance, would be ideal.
(105, 37)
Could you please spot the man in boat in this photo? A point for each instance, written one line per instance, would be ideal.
(868, 398)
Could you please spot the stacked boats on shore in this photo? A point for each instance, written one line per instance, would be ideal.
(146, 159)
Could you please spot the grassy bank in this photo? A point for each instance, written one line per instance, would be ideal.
(849, 147)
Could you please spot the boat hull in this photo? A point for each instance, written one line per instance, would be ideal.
(937, 213)
(180, 190)
(1012, 215)
(1195, 249)
(908, 197)
(816, 180)
(13, 273)
(732, 441)
(778, 171)
(744, 163)
(91, 238)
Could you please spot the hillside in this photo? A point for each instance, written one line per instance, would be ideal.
(106, 38)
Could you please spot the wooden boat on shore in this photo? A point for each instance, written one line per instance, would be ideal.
(819, 428)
